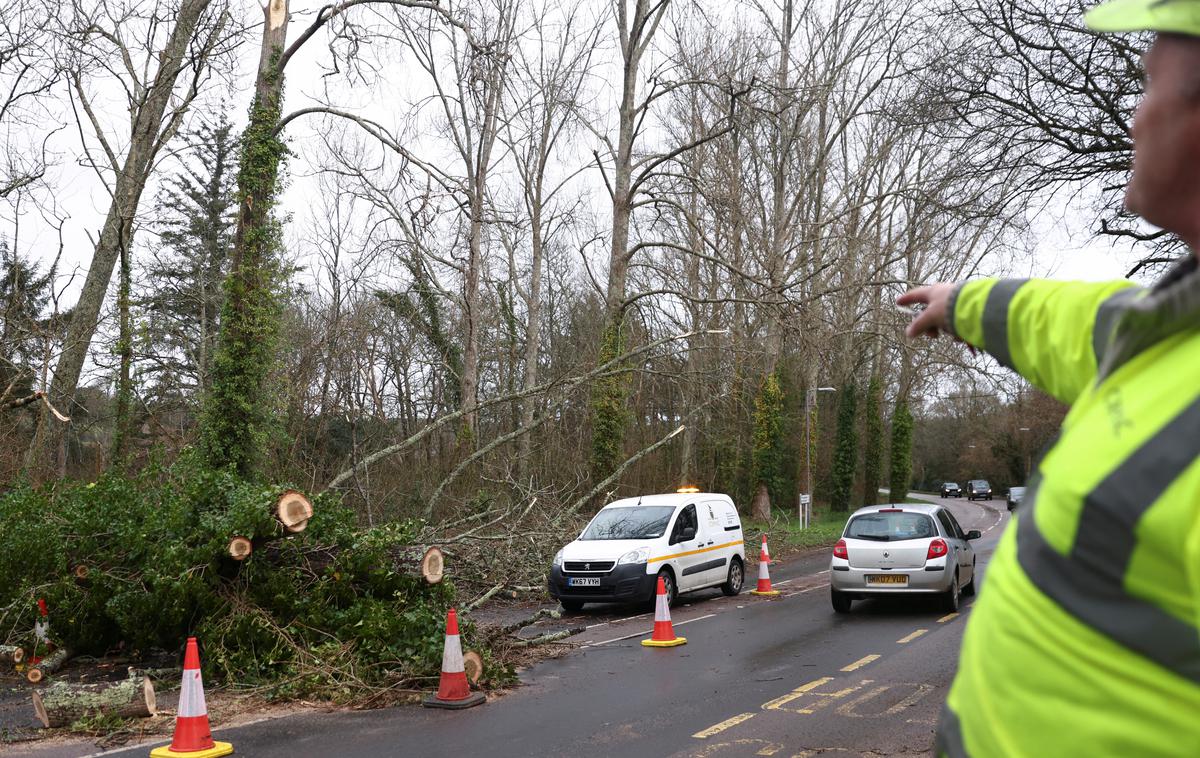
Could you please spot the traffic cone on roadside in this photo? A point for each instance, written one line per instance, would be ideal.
(664, 634)
(192, 735)
(454, 692)
(764, 576)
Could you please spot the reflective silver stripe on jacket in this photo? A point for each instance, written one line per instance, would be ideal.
(1107, 317)
(1089, 583)
(949, 739)
(995, 319)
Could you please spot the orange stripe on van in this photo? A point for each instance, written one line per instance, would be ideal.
(696, 552)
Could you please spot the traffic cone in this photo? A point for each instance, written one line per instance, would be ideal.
(454, 692)
(664, 634)
(764, 576)
(192, 736)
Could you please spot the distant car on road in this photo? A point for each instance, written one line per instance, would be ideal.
(901, 549)
(1015, 496)
(690, 539)
(950, 489)
(979, 489)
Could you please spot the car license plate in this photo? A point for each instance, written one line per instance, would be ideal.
(887, 578)
(585, 582)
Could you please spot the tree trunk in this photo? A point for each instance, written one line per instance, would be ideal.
(760, 506)
(63, 704)
(236, 415)
(48, 665)
(293, 510)
(11, 654)
(46, 455)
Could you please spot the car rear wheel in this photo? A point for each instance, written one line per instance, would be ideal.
(737, 576)
(950, 600)
(841, 601)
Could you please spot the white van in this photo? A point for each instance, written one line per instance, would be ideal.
(691, 539)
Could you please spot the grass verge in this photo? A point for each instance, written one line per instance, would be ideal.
(785, 534)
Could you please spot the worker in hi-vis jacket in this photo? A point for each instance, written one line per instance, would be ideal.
(1085, 640)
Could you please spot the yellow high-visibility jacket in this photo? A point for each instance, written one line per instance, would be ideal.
(1085, 639)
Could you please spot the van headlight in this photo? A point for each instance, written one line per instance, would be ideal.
(636, 556)
(557, 559)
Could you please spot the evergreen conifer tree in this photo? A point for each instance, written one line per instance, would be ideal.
(24, 293)
(902, 425)
(845, 452)
(872, 441)
(196, 219)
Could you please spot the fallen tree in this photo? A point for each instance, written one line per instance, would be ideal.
(62, 704)
(48, 665)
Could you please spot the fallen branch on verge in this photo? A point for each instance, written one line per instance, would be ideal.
(62, 703)
(549, 637)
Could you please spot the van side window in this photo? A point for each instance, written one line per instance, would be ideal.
(687, 517)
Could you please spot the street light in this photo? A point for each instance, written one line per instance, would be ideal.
(806, 496)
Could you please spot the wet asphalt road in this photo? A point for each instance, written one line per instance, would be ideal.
(782, 677)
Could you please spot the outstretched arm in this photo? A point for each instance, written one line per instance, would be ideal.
(1052, 333)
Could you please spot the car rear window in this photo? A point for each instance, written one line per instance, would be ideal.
(891, 526)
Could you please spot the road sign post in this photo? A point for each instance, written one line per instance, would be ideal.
(805, 510)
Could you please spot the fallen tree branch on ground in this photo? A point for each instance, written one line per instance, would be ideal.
(48, 665)
(62, 703)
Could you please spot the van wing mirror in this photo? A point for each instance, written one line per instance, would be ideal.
(687, 533)
(974, 534)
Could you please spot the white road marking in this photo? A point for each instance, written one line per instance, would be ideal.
(947, 617)
(643, 634)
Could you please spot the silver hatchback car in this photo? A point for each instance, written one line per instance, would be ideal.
(899, 549)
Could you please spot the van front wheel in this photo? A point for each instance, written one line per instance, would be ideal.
(668, 580)
(737, 577)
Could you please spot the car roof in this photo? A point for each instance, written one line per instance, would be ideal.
(928, 509)
(673, 499)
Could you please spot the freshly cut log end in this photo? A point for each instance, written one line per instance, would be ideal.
(240, 548)
(293, 510)
(473, 665)
(432, 565)
(82, 571)
(48, 665)
(11, 654)
(62, 704)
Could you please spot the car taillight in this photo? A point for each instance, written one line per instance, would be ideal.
(839, 550)
(937, 548)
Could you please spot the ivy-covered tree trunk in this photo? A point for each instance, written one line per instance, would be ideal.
(608, 408)
(123, 423)
(872, 441)
(236, 413)
(902, 424)
(845, 454)
(768, 460)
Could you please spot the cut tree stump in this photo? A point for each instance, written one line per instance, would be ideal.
(48, 665)
(11, 654)
(62, 704)
(432, 565)
(240, 548)
(293, 510)
(81, 572)
(473, 666)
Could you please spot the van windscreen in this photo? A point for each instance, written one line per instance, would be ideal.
(638, 523)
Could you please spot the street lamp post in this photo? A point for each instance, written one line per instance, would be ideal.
(805, 504)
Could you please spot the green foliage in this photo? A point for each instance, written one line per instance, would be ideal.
(236, 423)
(610, 415)
(845, 453)
(902, 426)
(309, 613)
(768, 454)
(872, 441)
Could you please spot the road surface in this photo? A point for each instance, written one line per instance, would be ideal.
(782, 677)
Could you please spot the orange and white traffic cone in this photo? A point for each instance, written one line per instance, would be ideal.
(192, 735)
(664, 634)
(764, 576)
(454, 692)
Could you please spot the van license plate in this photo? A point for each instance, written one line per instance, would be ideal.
(586, 582)
(887, 578)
